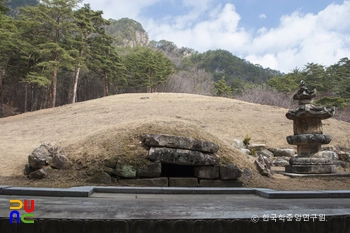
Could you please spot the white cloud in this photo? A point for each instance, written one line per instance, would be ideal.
(121, 8)
(322, 37)
(262, 16)
(219, 30)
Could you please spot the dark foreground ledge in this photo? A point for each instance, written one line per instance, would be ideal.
(335, 224)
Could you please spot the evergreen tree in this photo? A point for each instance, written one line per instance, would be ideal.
(105, 61)
(52, 24)
(148, 68)
(221, 87)
(90, 26)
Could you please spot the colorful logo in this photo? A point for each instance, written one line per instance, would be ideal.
(16, 217)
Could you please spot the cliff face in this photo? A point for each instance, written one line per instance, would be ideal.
(127, 33)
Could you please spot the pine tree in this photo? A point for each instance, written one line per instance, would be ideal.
(52, 25)
(90, 27)
(105, 61)
(148, 68)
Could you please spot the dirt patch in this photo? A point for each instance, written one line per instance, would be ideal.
(97, 129)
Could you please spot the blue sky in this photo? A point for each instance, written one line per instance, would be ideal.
(280, 34)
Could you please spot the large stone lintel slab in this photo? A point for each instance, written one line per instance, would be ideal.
(310, 161)
(311, 169)
(164, 140)
(181, 157)
(308, 139)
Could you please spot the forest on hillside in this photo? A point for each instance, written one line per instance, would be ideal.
(54, 53)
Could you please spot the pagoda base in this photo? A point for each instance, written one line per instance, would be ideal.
(311, 168)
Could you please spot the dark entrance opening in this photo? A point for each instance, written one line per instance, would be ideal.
(173, 170)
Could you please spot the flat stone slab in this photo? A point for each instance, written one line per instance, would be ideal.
(311, 169)
(164, 140)
(181, 157)
(173, 190)
(83, 191)
(183, 182)
(220, 183)
(272, 194)
(309, 139)
(148, 182)
(310, 161)
(294, 175)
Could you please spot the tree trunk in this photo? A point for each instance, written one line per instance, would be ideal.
(25, 96)
(106, 85)
(54, 85)
(2, 74)
(76, 79)
(75, 86)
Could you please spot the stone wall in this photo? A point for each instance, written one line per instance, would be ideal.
(175, 153)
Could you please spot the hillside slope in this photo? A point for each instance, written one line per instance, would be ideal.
(226, 119)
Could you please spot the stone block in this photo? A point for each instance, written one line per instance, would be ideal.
(310, 161)
(230, 172)
(328, 148)
(220, 183)
(342, 164)
(247, 173)
(265, 153)
(146, 182)
(181, 157)
(239, 144)
(150, 170)
(308, 139)
(279, 162)
(111, 163)
(206, 172)
(245, 151)
(164, 140)
(257, 147)
(100, 177)
(61, 162)
(344, 156)
(183, 182)
(311, 169)
(330, 155)
(36, 162)
(311, 150)
(283, 152)
(125, 170)
(108, 170)
(38, 174)
(27, 169)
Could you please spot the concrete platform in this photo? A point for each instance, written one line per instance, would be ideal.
(83, 191)
(293, 175)
(135, 209)
(174, 206)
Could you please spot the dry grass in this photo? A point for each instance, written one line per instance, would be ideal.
(93, 131)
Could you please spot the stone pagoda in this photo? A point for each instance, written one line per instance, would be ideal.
(308, 135)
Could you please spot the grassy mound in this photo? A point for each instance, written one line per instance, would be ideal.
(123, 142)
